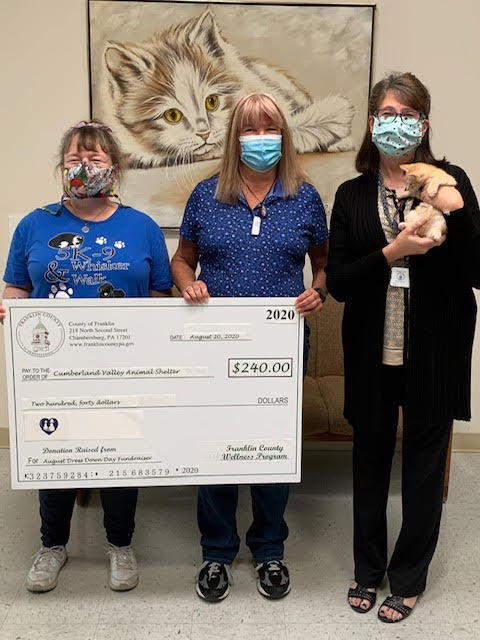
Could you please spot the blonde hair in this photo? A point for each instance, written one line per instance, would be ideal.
(247, 112)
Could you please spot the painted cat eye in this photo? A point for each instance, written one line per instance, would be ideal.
(212, 102)
(173, 116)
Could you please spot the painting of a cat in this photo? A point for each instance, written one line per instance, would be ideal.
(165, 75)
(173, 94)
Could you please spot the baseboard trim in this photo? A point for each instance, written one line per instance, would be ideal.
(462, 442)
(466, 442)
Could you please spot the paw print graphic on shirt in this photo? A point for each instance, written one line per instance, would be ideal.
(101, 240)
(119, 244)
(61, 291)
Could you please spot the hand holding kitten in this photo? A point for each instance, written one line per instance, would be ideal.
(409, 243)
(436, 190)
(448, 198)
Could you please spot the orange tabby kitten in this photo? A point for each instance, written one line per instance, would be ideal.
(435, 226)
(418, 174)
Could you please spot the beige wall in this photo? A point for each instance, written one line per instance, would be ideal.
(44, 82)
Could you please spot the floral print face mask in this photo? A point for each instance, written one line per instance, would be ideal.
(86, 180)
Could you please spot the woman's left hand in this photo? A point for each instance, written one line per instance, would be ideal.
(308, 302)
(447, 198)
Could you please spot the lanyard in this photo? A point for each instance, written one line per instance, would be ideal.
(261, 203)
(257, 217)
(399, 208)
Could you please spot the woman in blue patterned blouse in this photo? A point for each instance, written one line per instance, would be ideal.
(249, 228)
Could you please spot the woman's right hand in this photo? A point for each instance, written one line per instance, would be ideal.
(3, 312)
(408, 243)
(196, 292)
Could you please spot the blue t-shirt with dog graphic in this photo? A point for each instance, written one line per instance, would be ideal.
(123, 256)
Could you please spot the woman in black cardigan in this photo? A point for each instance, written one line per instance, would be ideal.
(407, 346)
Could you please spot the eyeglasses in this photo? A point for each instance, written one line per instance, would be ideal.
(388, 116)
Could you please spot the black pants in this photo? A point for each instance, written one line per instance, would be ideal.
(423, 469)
(56, 508)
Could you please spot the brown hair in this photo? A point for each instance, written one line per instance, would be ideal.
(89, 137)
(411, 92)
(248, 111)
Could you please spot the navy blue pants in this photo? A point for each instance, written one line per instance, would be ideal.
(217, 506)
(216, 513)
(56, 508)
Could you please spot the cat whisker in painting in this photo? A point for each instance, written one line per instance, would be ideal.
(172, 95)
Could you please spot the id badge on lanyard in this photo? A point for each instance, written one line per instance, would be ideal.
(400, 277)
(256, 222)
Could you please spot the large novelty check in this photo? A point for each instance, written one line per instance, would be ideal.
(153, 392)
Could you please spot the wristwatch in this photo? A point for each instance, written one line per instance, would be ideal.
(323, 294)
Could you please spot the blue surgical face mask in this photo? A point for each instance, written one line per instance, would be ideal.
(261, 153)
(396, 139)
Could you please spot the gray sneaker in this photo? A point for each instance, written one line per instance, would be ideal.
(213, 581)
(123, 568)
(43, 575)
(273, 579)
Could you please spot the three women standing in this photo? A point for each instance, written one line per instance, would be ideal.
(250, 228)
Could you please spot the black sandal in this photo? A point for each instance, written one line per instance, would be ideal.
(364, 594)
(395, 603)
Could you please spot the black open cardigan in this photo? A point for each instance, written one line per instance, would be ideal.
(442, 307)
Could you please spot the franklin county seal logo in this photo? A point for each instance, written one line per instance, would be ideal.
(40, 334)
(49, 425)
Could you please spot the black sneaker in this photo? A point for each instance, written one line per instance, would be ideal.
(273, 580)
(213, 581)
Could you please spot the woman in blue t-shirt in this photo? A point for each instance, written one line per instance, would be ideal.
(87, 246)
(250, 228)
